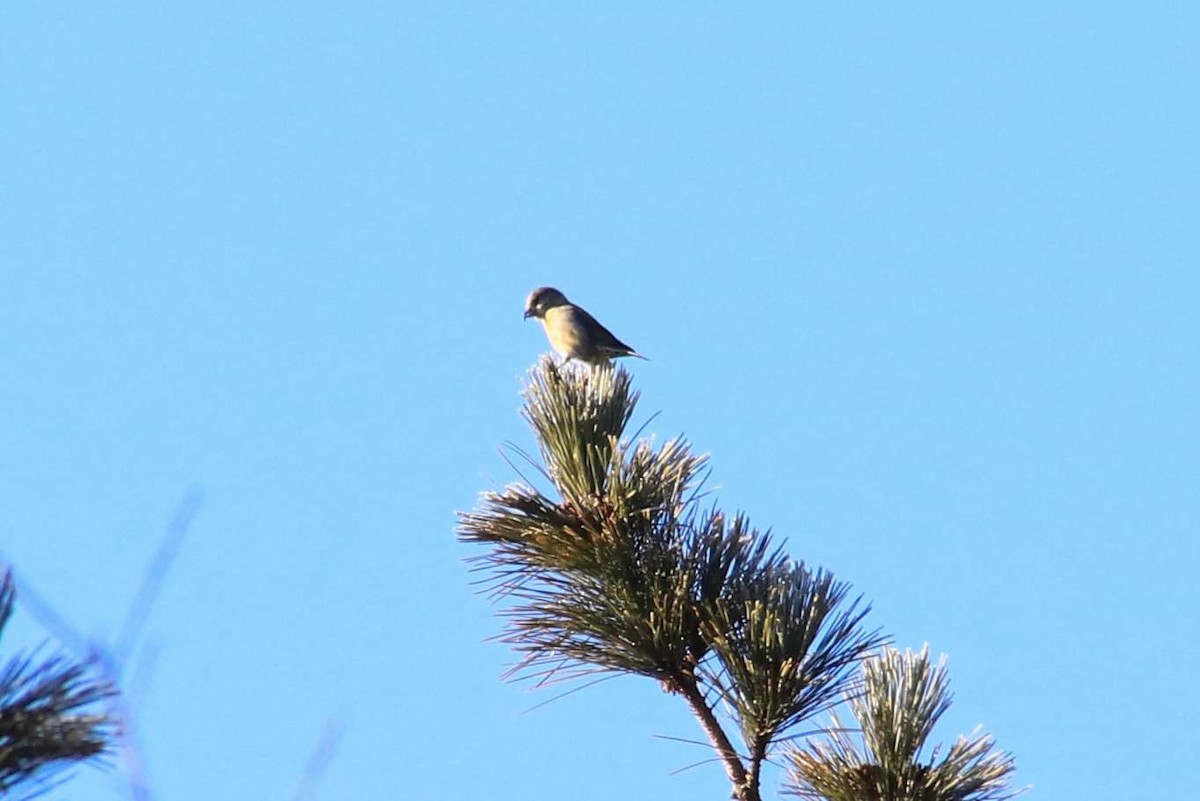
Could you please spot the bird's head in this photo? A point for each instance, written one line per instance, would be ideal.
(542, 299)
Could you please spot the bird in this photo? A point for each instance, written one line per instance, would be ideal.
(573, 332)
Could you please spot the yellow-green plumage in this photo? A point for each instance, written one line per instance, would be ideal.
(573, 333)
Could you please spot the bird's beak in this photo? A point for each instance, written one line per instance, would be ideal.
(528, 314)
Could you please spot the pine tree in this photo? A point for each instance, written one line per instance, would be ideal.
(47, 717)
(623, 568)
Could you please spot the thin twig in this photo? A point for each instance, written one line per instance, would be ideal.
(683, 740)
(319, 759)
(156, 571)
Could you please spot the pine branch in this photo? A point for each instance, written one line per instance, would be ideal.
(785, 649)
(610, 574)
(903, 697)
(623, 572)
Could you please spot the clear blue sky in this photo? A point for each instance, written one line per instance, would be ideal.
(923, 280)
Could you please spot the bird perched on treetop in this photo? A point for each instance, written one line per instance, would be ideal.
(573, 332)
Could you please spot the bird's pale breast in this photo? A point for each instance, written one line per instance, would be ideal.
(567, 335)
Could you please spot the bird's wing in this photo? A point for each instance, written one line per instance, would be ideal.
(601, 337)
